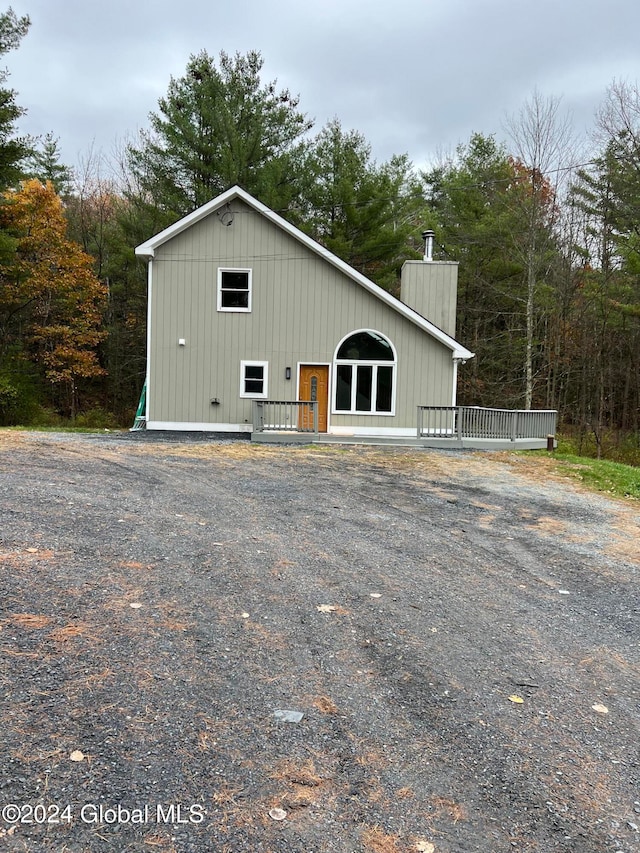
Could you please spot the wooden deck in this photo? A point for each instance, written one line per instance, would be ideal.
(290, 437)
(444, 427)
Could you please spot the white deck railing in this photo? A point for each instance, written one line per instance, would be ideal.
(458, 422)
(285, 416)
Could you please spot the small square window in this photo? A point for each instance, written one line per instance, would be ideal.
(234, 290)
(253, 379)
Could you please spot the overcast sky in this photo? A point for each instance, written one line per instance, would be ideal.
(414, 76)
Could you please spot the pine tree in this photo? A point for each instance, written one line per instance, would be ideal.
(44, 164)
(13, 150)
(469, 199)
(361, 211)
(219, 125)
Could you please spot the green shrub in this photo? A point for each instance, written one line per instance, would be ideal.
(96, 418)
(615, 446)
(19, 402)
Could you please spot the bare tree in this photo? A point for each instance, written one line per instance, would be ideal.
(543, 143)
(619, 116)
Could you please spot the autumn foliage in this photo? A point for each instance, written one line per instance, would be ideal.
(51, 303)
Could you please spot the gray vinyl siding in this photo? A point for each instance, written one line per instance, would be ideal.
(301, 308)
(431, 290)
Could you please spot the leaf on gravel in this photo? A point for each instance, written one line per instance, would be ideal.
(288, 716)
(76, 755)
(375, 594)
(517, 700)
(425, 846)
(601, 709)
(32, 550)
(277, 814)
(136, 605)
(326, 608)
(326, 705)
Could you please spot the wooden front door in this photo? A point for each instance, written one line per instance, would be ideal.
(314, 386)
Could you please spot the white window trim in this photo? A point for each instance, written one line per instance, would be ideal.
(265, 379)
(338, 362)
(219, 288)
(374, 388)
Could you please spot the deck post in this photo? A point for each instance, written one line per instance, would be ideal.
(258, 416)
(514, 425)
(458, 415)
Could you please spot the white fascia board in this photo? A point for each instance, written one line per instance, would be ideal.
(147, 250)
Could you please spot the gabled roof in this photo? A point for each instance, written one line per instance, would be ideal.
(147, 250)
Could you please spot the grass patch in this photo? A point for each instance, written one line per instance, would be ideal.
(601, 475)
(615, 446)
(62, 428)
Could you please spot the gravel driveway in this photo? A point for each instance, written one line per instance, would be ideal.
(460, 633)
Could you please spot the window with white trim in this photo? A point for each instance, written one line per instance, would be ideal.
(234, 290)
(254, 379)
(365, 368)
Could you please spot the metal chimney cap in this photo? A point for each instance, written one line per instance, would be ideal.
(428, 237)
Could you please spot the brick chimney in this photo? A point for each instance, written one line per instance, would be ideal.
(431, 287)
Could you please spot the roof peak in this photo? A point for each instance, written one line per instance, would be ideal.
(148, 249)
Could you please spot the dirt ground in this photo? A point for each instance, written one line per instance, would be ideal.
(460, 632)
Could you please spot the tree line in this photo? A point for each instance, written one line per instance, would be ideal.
(547, 239)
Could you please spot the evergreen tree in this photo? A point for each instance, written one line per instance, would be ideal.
(361, 211)
(469, 199)
(495, 216)
(44, 164)
(619, 121)
(605, 361)
(219, 125)
(13, 150)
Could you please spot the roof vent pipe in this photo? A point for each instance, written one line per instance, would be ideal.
(428, 237)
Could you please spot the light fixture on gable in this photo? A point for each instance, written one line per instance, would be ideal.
(226, 215)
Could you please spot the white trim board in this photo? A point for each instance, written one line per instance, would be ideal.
(147, 377)
(373, 432)
(186, 426)
(346, 431)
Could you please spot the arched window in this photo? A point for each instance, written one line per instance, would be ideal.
(365, 367)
